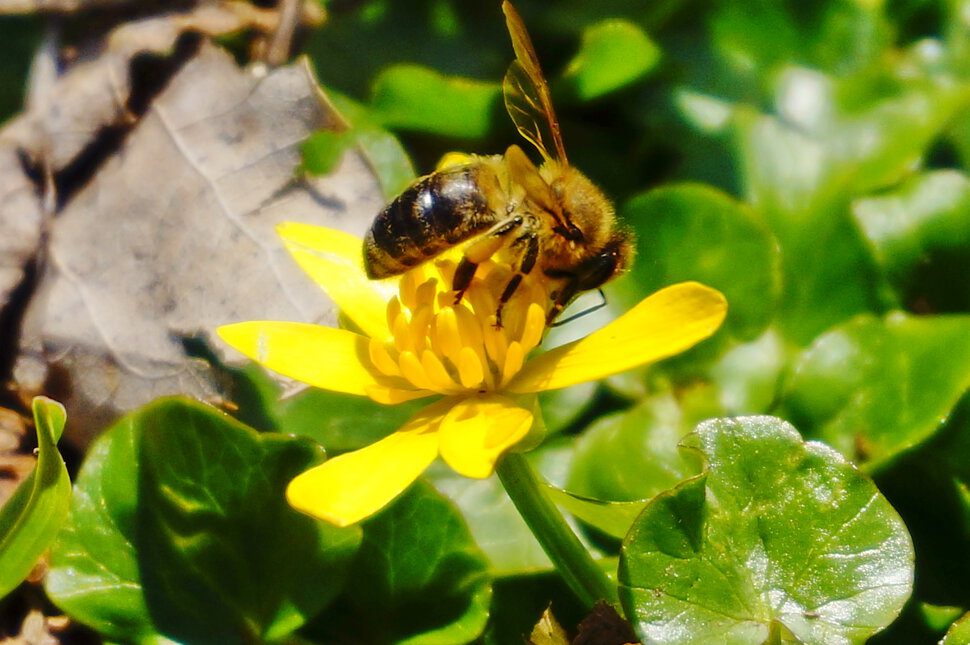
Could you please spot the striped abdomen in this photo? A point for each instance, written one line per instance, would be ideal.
(435, 213)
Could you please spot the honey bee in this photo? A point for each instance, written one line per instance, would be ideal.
(551, 217)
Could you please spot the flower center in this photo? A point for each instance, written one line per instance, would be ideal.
(451, 348)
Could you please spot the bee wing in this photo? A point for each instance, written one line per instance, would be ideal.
(526, 92)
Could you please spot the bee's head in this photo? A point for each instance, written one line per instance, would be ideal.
(615, 257)
(587, 214)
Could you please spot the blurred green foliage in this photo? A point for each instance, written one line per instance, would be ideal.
(808, 159)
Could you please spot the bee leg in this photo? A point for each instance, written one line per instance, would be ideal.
(463, 277)
(565, 295)
(525, 267)
(480, 251)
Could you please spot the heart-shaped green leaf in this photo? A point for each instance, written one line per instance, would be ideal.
(33, 515)
(413, 97)
(959, 632)
(874, 387)
(180, 528)
(418, 579)
(613, 54)
(694, 232)
(920, 234)
(779, 538)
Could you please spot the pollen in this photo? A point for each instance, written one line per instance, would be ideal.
(449, 347)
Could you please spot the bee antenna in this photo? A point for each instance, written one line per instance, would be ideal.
(584, 312)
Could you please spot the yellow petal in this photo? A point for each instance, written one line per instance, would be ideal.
(324, 357)
(666, 323)
(353, 486)
(335, 261)
(478, 430)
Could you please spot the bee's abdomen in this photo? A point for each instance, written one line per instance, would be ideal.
(435, 213)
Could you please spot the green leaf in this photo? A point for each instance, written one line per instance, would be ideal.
(747, 376)
(412, 97)
(33, 515)
(803, 168)
(614, 53)
(633, 455)
(338, 422)
(919, 234)
(938, 617)
(959, 632)
(778, 537)
(384, 153)
(180, 528)
(322, 150)
(612, 518)
(874, 387)
(562, 407)
(497, 527)
(418, 579)
(694, 232)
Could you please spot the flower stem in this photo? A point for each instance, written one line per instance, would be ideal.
(567, 553)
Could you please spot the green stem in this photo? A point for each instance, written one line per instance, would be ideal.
(567, 553)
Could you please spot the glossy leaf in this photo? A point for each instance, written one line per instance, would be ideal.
(411, 97)
(694, 232)
(959, 632)
(919, 234)
(802, 169)
(874, 387)
(418, 579)
(180, 528)
(778, 538)
(31, 518)
(613, 54)
(633, 455)
(385, 154)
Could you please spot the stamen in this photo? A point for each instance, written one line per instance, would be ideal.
(533, 327)
(445, 329)
(420, 325)
(470, 368)
(469, 327)
(400, 329)
(381, 358)
(408, 288)
(496, 343)
(436, 372)
(425, 294)
(514, 358)
(392, 312)
(413, 371)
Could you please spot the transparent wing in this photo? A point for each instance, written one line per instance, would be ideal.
(526, 92)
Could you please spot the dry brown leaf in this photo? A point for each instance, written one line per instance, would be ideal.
(69, 110)
(14, 464)
(604, 626)
(548, 631)
(21, 220)
(35, 630)
(175, 236)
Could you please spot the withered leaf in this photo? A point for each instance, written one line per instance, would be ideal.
(175, 235)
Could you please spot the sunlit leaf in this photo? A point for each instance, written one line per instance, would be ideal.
(874, 387)
(959, 632)
(632, 456)
(179, 497)
(778, 538)
(411, 97)
(613, 54)
(694, 232)
(920, 234)
(31, 518)
(418, 579)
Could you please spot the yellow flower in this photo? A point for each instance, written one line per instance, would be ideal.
(417, 342)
